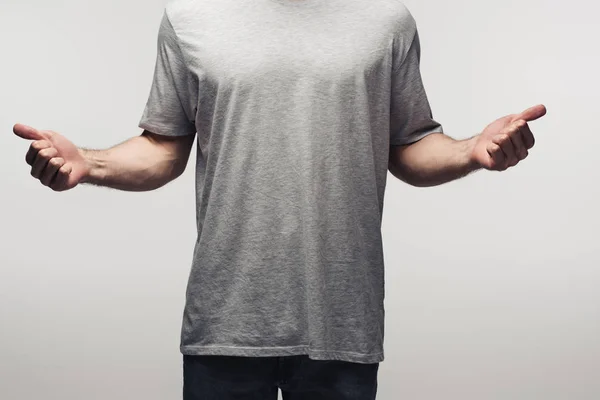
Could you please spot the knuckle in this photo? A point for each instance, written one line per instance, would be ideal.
(39, 145)
(45, 153)
(55, 162)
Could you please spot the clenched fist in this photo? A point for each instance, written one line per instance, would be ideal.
(54, 160)
(506, 141)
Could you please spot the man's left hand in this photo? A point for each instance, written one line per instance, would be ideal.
(506, 141)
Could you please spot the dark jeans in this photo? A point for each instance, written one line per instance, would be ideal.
(258, 378)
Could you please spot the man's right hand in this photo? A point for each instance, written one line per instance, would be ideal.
(54, 159)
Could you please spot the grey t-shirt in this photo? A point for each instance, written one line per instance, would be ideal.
(295, 104)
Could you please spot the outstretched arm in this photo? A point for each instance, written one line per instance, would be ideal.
(141, 163)
(437, 158)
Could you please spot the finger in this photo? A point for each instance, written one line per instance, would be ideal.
(28, 132)
(528, 139)
(62, 178)
(517, 140)
(503, 140)
(49, 173)
(34, 148)
(533, 113)
(497, 155)
(41, 160)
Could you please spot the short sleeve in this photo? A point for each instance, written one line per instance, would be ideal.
(411, 118)
(171, 105)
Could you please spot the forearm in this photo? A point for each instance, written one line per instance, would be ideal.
(138, 164)
(433, 160)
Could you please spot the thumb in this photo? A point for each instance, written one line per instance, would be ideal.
(532, 113)
(28, 132)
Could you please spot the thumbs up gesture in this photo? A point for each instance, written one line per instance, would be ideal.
(506, 141)
(54, 160)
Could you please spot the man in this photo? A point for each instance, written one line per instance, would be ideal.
(300, 108)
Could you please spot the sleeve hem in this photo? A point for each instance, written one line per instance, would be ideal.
(415, 138)
(164, 130)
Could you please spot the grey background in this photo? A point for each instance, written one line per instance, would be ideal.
(492, 282)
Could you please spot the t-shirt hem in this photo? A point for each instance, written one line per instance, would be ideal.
(283, 351)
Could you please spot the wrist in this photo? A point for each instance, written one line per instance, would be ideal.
(471, 160)
(92, 166)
